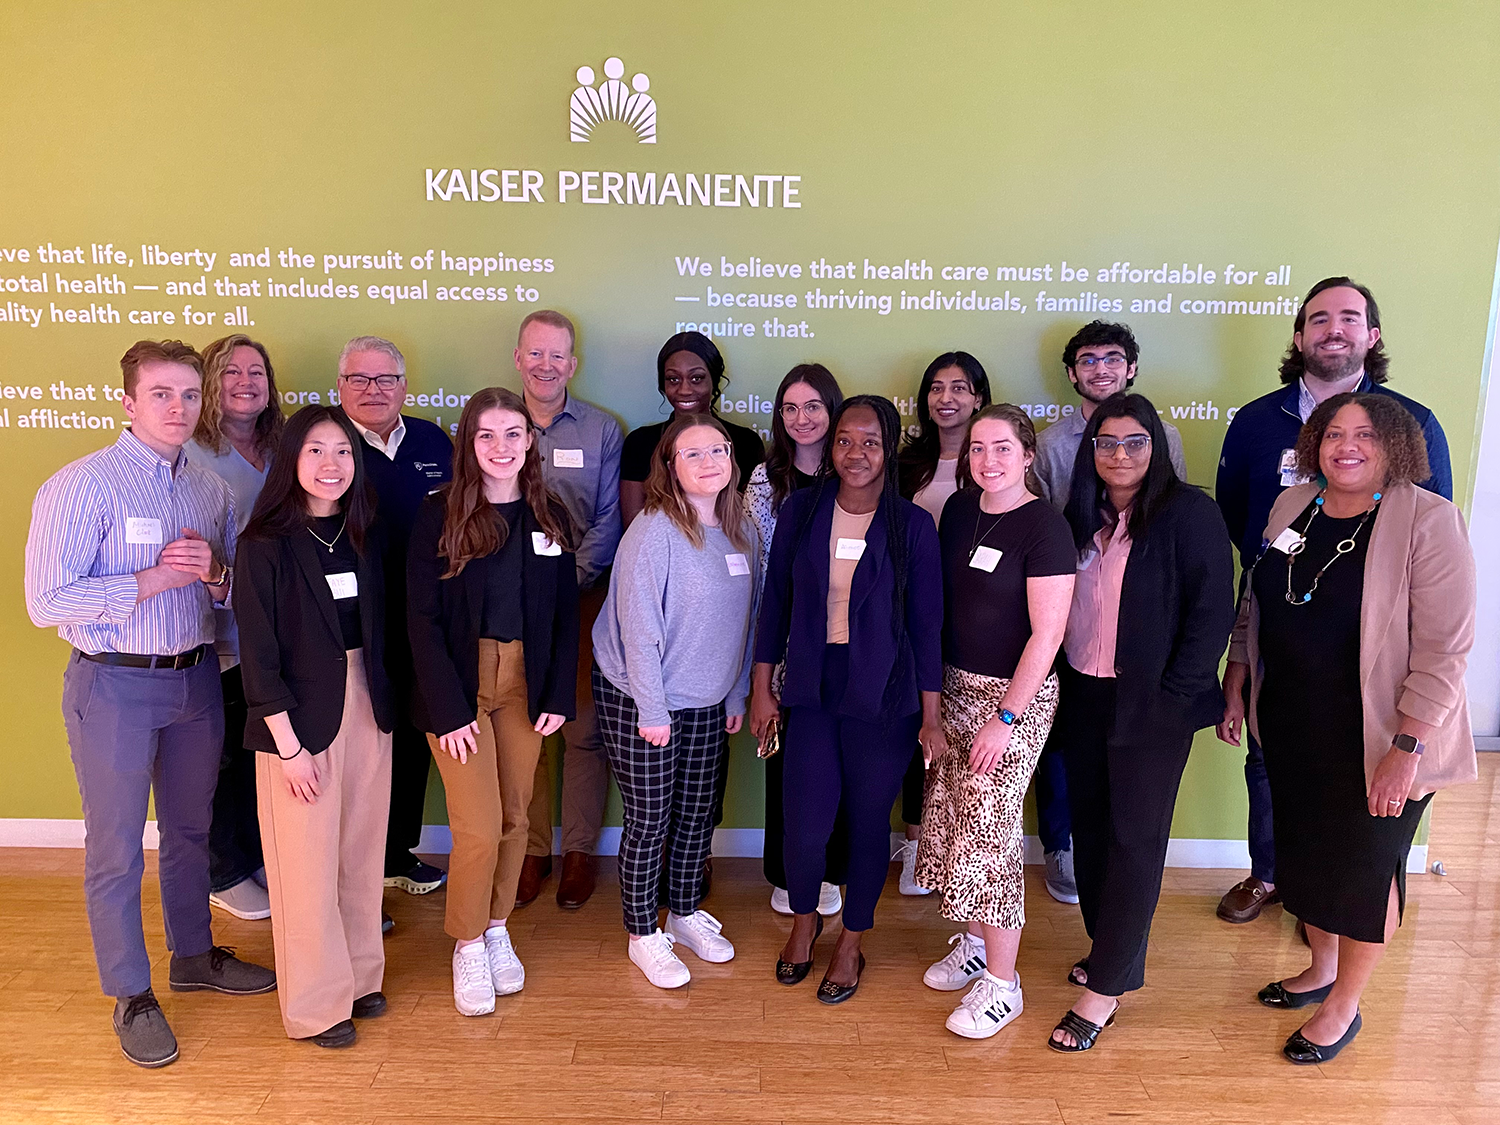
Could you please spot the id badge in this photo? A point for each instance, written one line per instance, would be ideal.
(849, 548)
(1288, 469)
(345, 585)
(542, 545)
(139, 529)
(567, 458)
(738, 564)
(985, 559)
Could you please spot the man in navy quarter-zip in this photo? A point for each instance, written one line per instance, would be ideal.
(406, 459)
(1336, 347)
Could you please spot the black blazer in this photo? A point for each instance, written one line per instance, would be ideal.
(291, 647)
(1176, 612)
(443, 618)
(887, 670)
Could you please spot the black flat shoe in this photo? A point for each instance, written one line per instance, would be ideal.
(830, 993)
(369, 1006)
(1083, 1032)
(795, 972)
(341, 1034)
(1276, 995)
(1304, 1052)
(1081, 965)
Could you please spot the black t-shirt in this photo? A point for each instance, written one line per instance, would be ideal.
(635, 457)
(986, 622)
(501, 619)
(341, 567)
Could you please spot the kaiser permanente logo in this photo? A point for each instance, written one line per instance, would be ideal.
(612, 101)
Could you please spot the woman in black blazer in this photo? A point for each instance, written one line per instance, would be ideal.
(310, 601)
(492, 611)
(1153, 603)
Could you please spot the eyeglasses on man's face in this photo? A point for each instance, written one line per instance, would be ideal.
(364, 382)
(692, 458)
(1114, 361)
(1134, 445)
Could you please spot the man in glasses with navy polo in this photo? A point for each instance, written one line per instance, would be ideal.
(406, 459)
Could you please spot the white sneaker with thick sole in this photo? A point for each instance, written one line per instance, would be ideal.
(989, 1006)
(506, 971)
(699, 934)
(830, 902)
(473, 990)
(247, 899)
(781, 902)
(653, 956)
(907, 854)
(960, 967)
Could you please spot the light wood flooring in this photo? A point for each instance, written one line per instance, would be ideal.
(590, 1040)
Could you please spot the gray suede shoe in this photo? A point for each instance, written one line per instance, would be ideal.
(219, 970)
(1060, 882)
(145, 1037)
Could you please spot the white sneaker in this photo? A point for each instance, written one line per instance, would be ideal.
(989, 1006)
(699, 933)
(506, 971)
(960, 967)
(653, 956)
(830, 902)
(246, 899)
(473, 990)
(907, 854)
(781, 902)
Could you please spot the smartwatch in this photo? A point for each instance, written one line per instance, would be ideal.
(1408, 744)
(1006, 716)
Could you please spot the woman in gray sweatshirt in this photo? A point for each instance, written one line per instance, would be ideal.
(672, 650)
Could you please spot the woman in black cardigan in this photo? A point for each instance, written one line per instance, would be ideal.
(1153, 603)
(492, 611)
(310, 601)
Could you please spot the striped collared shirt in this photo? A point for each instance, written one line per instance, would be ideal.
(97, 522)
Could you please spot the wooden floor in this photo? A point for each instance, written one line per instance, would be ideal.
(589, 1040)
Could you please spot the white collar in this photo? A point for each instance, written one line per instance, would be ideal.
(389, 446)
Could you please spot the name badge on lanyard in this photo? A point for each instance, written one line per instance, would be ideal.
(1288, 470)
(985, 559)
(849, 548)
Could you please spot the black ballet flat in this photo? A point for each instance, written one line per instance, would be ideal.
(830, 993)
(1304, 1052)
(1276, 995)
(795, 972)
(1084, 1033)
(1082, 964)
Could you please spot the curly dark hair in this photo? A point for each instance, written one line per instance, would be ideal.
(1377, 361)
(1099, 333)
(1398, 433)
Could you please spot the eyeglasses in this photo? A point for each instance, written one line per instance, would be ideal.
(813, 409)
(1089, 362)
(1134, 445)
(694, 457)
(362, 382)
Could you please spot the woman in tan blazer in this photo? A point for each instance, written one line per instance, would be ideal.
(1357, 692)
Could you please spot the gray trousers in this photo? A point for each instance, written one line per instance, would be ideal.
(132, 731)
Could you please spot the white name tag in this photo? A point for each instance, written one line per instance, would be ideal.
(1087, 556)
(542, 545)
(138, 529)
(567, 458)
(1288, 469)
(344, 585)
(985, 558)
(738, 564)
(849, 548)
(1288, 542)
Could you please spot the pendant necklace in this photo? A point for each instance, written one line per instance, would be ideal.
(976, 539)
(1343, 548)
(326, 542)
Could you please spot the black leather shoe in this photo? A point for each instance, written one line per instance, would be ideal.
(830, 993)
(795, 972)
(1085, 1033)
(341, 1034)
(1304, 1052)
(1275, 995)
(369, 1006)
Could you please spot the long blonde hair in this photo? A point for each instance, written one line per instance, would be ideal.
(664, 491)
(268, 424)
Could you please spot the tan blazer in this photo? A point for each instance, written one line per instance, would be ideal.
(1416, 626)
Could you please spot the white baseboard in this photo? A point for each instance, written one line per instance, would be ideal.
(39, 833)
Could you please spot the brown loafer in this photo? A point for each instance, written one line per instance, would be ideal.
(576, 883)
(534, 870)
(1244, 901)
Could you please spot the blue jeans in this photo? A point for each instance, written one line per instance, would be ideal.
(1259, 832)
(1054, 821)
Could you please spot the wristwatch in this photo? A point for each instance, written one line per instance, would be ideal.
(1408, 744)
(1006, 716)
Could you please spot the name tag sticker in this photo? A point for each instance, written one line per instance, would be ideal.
(1087, 556)
(345, 585)
(138, 529)
(985, 559)
(567, 458)
(1288, 542)
(849, 548)
(738, 564)
(542, 545)
(1288, 469)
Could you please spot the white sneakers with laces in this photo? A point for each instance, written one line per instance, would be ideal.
(830, 901)
(963, 965)
(653, 956)
(907, 854)
(506, 971)
(699, 932)
(988, 1006)
(473, 990)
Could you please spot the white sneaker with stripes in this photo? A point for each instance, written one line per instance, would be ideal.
(988, 1006)
(961, 967)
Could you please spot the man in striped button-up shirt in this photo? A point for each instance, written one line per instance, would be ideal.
(127, 557)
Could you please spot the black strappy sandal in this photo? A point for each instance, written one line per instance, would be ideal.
(1083, 965)
(1277, 995)
(795, 972)
(1304, 1052)
(1083, 1032)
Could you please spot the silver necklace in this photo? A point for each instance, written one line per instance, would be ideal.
(1343, 547)
(326, 542)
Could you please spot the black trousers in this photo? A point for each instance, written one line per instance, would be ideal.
(234, 836)
(411, 760)
(1122, 788)
(773, 857)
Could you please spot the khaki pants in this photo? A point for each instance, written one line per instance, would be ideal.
(488, 795)
(325, 868)
(585, 769)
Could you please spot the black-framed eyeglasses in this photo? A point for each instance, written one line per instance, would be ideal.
(363, 382)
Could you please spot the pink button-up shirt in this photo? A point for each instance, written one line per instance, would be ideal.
(1094, 619)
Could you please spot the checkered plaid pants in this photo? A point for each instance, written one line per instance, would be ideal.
(668, 793)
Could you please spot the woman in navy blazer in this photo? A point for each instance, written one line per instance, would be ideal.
(854, 602)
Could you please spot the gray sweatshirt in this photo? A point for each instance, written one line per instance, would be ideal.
(678, 628)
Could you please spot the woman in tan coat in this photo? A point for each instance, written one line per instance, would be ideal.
(1357, 692)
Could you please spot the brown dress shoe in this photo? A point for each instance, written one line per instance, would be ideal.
(1244, 901)
(576, 883)
(534, 870)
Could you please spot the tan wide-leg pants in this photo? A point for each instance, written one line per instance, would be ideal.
(325, 868)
